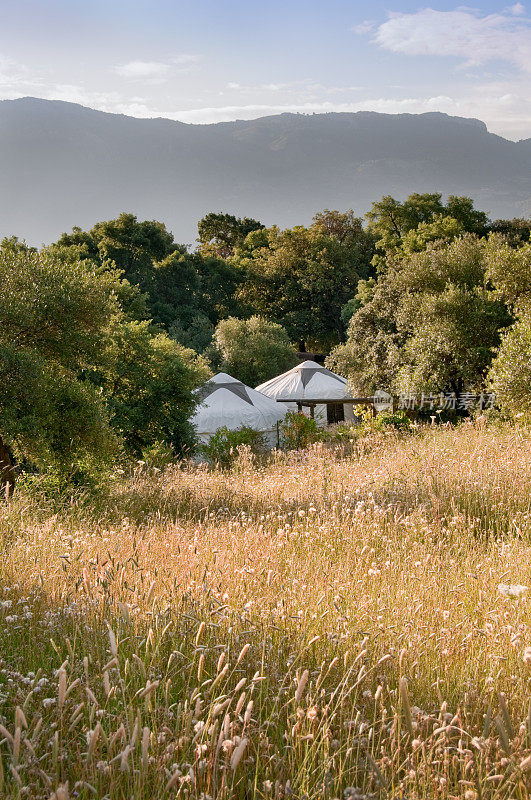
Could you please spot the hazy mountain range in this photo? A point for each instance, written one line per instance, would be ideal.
(62, 165)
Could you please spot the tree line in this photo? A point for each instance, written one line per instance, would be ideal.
(107, 332)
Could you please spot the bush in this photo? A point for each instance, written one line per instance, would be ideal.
(347, 432)
(392, 419)
(222, 447)
(252, 350)
(510, 373)
(298, 431)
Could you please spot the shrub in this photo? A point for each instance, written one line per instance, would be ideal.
(347, 432)
(253, 350)
(298, 431)
(510, 373)
(222, 447)
(392, 419)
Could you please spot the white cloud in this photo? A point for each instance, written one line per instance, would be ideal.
(157, 71)
(295, 91)
(185, 59)
(139, 70)
(13, 74)
(364, 27)
(462, 33)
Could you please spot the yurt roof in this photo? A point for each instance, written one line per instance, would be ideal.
(308, 380)
(227, 402)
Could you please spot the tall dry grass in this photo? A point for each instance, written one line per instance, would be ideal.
(319, 627)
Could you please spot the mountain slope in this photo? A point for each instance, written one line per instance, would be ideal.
(63, 165)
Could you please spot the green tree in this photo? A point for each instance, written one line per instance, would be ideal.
(253, 350)
(196, 333)
(149, 388)
(509, 268)
(391, 221)
(219, 234)
(430, 323)
(510, 374)
(371, 357)
(451, 338)
(163, 282)
(79, 378)
(133, 246)
(55, 316)
(302, 277)
(516, 232)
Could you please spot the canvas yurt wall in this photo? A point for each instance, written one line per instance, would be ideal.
(227, 402)
(310, 381)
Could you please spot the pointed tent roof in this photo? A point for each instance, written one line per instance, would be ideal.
(227, 402)
(308, 380)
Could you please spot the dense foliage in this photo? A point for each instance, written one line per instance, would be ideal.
(302, 277)
(106, 333)
(510, 271)
(254, 349)
(224, 446)
(297, 431)
(81, 380)
(430, 323)
(185, 293)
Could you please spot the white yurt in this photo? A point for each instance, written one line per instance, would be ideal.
(228, 403)
(311, 381)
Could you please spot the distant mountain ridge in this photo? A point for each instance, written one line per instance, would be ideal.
(62, 164)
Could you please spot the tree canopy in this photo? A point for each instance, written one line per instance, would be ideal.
(431, 322)
(101, 331)
(509, 268)
(253, 350)
(302, 277)
(177, 290)
(401, 228)
(220, 234)
(80, 380)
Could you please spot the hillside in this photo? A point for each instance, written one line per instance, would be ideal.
(64, 165)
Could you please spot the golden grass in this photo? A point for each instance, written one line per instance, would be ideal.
(320, 627)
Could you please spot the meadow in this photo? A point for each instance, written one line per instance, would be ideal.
(330, 624)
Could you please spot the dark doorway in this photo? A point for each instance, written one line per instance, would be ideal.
(335, 412)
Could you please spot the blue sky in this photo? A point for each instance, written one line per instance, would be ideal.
(217, 60)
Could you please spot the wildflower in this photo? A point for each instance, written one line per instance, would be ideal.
(512, 590)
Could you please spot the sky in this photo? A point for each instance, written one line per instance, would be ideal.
(204, 61)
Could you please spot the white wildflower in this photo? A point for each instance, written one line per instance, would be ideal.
(512, 590)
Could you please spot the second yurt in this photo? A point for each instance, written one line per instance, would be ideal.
(311, 381)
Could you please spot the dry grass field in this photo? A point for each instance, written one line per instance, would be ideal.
(319, 627)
